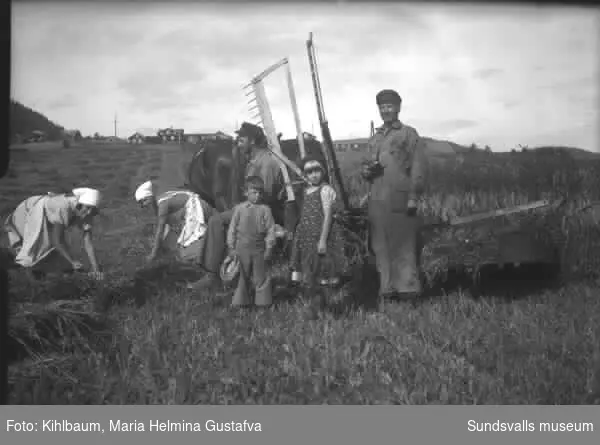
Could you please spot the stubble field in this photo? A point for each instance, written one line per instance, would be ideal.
(141, 338)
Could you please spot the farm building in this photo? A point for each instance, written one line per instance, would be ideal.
(136, 138)
(153, 140)
(36, 136)
(171, 134)
(357, 144)
(196, 138)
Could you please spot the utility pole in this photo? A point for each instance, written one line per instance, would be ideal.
(115, 124)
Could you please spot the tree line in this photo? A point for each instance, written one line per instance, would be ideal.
(24, 122)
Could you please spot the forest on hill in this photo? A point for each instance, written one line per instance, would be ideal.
(24, 122)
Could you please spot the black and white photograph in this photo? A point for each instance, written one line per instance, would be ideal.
(303, 203)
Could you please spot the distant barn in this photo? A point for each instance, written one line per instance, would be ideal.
(357, 144)
(169, 135)
(136, 138)
(196, 138)
(153, 140)
(36, 136)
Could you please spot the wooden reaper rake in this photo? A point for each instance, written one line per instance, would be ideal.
(259, 102)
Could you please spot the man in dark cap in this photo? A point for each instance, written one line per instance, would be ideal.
(252, 144)
(396, 172)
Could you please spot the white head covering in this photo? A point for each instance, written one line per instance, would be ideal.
(87, 196)
(144, 191)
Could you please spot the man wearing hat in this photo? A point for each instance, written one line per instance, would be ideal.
(251, 145)
(396, 172)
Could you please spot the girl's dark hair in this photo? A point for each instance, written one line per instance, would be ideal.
(312, 158)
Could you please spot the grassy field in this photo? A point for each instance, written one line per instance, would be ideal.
(142, 338)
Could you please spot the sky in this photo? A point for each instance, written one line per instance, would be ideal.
(497, 75)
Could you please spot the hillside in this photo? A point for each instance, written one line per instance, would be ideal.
(437, 147)
(24, 121)
(579, 154)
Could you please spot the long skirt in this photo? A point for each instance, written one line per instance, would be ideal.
(28, 232)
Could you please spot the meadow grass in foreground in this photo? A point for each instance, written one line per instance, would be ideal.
(142, 338)
(179, 348)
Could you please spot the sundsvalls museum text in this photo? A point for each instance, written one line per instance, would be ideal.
(122, 426)
(526, 425)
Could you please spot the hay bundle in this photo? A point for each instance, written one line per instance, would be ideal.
(470, 247)
(53, 365)
(455, 248)
(568, 237)
(120, 291)
(59, 326)
(354, 228)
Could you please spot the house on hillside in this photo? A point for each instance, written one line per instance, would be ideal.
(357, 144)
(196, 138)
(171, 135)
(36, 136)
(136, 138)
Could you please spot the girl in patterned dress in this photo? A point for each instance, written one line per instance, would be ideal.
(318, 250)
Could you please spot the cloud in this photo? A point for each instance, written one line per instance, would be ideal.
(67, 101)
(162, 83)
(569, 84)
(58, 33)
(445, 78)
(185, 64)
(487, 73)
(455, 124)
(510, 104)
(230, 50)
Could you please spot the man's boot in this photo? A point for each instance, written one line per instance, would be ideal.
(208, 282)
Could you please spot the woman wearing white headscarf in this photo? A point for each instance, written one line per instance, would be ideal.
(36, 230)
(173, 210)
